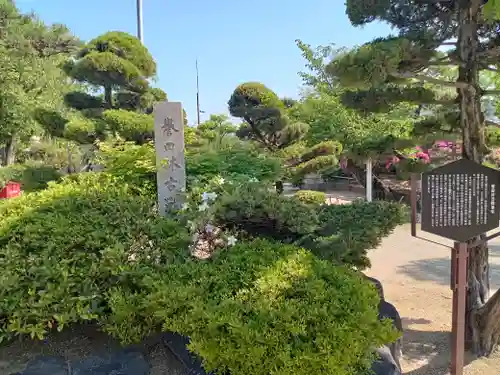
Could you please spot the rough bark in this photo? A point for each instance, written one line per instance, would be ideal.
(108, 97)
(10, 151)
(483, 314)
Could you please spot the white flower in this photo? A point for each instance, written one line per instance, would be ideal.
(253, 179)
(185, 206)
(192, 225)
(208, 196)
(219, 180)
(231, 241)
(204, 206)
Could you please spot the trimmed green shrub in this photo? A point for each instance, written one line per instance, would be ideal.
(348, 231)
(264, 308)
(234, 163)
(32, 176)
(64, 248)
(311, 196)
(259, 212)
(340, 233)
(134, 165)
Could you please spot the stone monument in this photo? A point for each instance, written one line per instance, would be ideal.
(169, 144)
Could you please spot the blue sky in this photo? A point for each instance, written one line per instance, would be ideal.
(234, 41)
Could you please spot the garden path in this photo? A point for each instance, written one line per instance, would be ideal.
(415, 275)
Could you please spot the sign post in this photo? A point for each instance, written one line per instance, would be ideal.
(460, 201)
(170, 163)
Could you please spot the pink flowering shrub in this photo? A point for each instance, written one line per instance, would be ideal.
(414, 161)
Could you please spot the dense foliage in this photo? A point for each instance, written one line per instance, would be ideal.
(64, 248)
(265, 308)
(90, 249)
(311, 196)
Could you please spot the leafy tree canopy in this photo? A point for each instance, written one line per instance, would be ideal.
(265, 116)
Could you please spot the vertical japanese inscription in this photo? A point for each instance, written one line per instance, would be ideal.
(169, 144)
(459, 200)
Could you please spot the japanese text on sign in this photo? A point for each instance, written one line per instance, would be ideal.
(455, 196)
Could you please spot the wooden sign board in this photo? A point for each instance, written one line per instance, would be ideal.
(460, 200)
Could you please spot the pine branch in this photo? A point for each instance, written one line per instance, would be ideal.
(424, 78)
(491, 92)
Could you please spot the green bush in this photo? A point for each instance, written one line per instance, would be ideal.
(340, 233)
(264, 308)
(32, 176)
(134, 165)
(259, 212)
(89, 249)
(311, 196)
(63, 249)
(233, 163)
(348, 231)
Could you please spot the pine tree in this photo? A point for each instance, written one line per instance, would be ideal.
(433, 34)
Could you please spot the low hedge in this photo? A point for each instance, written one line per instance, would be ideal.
(347, 232)
(90, 249)
(311, 196)
(264, 308)
(339, 233)
(31, 176)
(63, 249)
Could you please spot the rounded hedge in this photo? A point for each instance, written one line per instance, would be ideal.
(265, 308)
(62, 249)
(90, 249)
(311, 196)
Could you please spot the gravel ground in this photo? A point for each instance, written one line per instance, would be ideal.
(415, 275)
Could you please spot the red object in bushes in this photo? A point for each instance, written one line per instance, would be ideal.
(11, 190)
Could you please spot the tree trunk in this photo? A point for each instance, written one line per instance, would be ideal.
(380, 191)
(483, 314)
(10, 151)
(108, 97)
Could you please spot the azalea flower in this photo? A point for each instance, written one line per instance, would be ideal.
(208, 196)
(343, 163)
(209, 228)
(192, 225)
(219, 180)
(231, 241)
(203, 207)
(423, 156)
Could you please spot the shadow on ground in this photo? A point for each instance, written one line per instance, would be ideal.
(427, 352)
(438, 269)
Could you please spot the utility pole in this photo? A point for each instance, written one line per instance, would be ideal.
(197, 94)
(140, 34)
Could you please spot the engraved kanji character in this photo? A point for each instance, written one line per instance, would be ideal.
(169, 146)
(173, 164)
(168, 127)
(171, 183)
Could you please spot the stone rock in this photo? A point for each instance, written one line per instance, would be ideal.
(122, 363)
(385, 363)
(178, 346)
(387, 310)
(378, 286)
(46, 365)
(126, 362)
